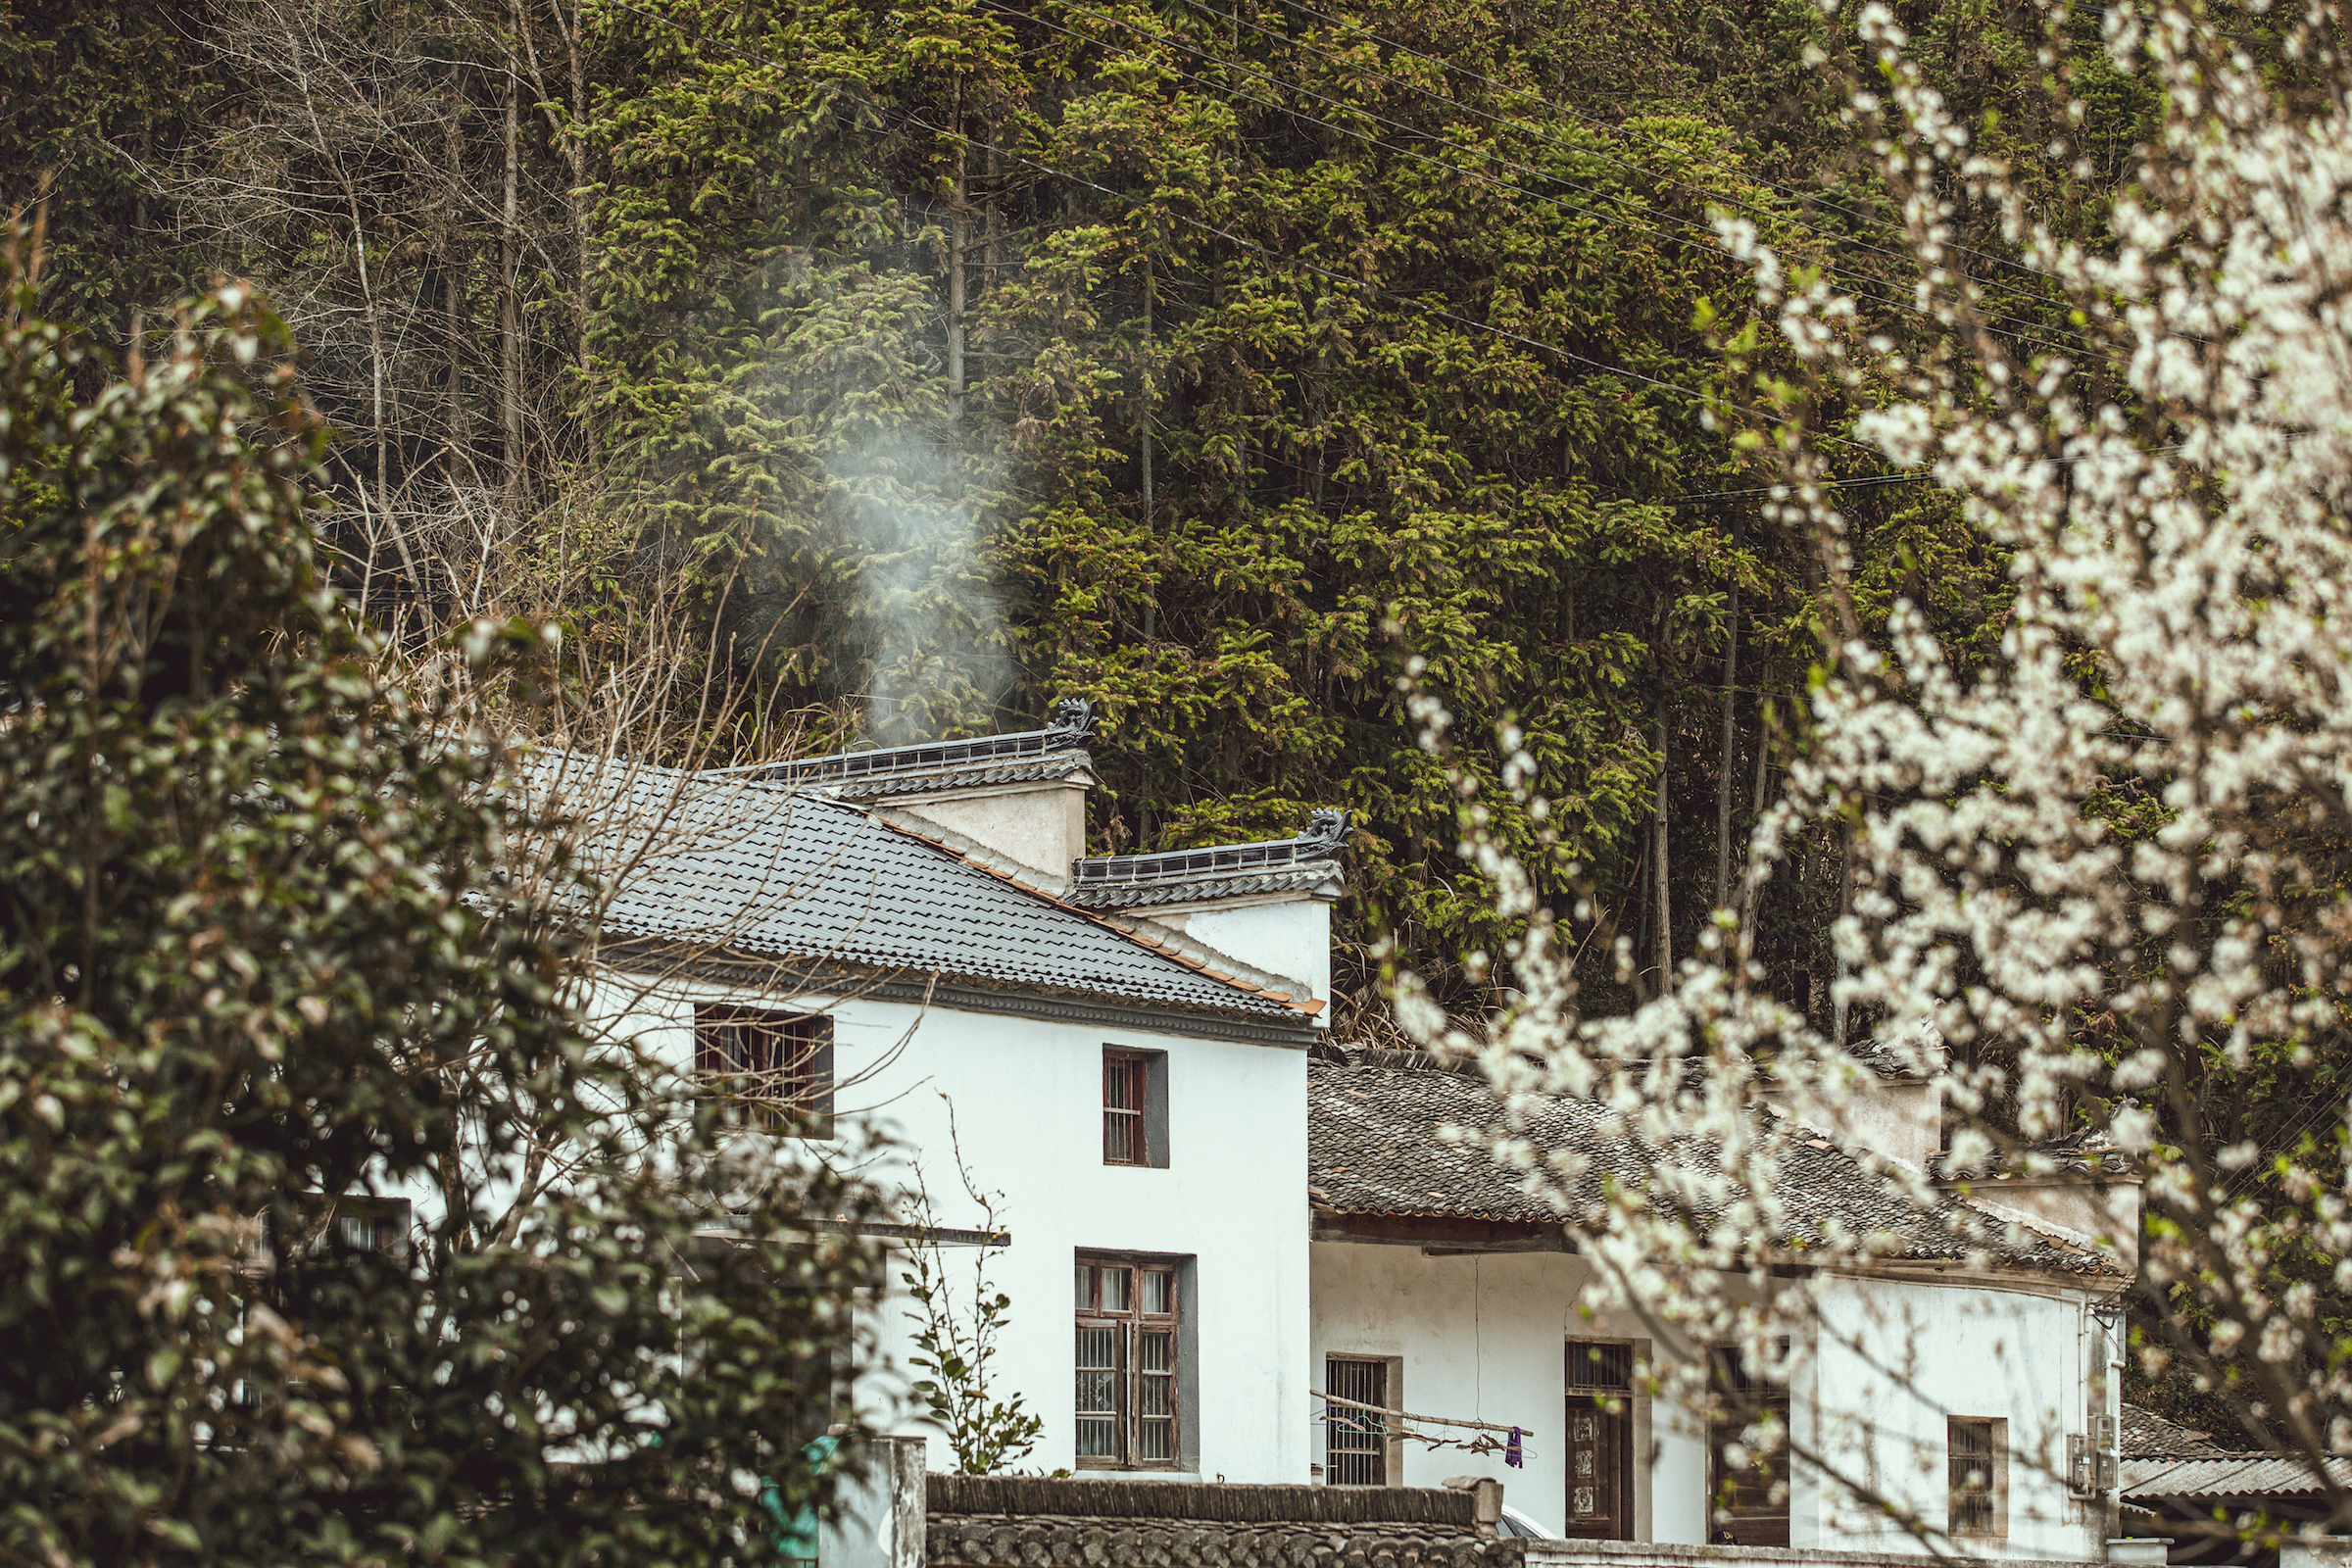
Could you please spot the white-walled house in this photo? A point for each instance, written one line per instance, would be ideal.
(1453, 1289)
(1215, 1215)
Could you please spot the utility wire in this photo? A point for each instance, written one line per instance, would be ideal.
(1864, 283)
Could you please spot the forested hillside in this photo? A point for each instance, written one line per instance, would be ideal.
(1208, 361)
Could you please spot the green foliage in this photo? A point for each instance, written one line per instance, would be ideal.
(262, 954)
(955, 1338)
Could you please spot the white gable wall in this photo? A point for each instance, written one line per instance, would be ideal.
(1485, 1338)
(1901, 1356)
(1028, 1113)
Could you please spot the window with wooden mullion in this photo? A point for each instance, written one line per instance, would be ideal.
(1123, 1084)
(1127, 1407)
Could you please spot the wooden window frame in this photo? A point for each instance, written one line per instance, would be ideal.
(1126, 1107)
(776, 1066)
(1388, 1454)
(1991, 1435)
(1130, 1325)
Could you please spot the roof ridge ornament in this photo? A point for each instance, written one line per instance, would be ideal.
(1074, 717)
(1328, 830)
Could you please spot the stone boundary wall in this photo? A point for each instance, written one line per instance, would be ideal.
(1662, 1554)
(1018, 1522)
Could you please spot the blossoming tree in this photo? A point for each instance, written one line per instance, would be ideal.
(2102, 879)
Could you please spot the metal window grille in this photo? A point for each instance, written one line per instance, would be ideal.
(1970, 1444)
(1123, 1085)
(1128, 1407)
(776, 1067)
(1356, 1445)
(1600, 1368)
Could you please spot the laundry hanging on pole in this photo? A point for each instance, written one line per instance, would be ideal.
(1488, 1436)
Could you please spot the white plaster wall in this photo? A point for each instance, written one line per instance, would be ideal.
(1027, 1099)
(1484, 1337)
(1291, 937)
(1897, 1359)
(1041, 828)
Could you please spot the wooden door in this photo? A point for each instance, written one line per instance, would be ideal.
(1601, 1442)
(1743, 1508)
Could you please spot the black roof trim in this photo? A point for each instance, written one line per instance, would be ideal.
(1071, 726)
(908, 985)
(1326, 834)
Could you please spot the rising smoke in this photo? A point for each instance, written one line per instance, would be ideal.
(929, 612)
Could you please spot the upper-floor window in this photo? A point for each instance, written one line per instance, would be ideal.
(777, 1066)
(1134, 1106)
(1127, 1406)
(1978, 1491)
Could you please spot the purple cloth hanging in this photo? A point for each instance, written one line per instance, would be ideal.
(1511, 1454)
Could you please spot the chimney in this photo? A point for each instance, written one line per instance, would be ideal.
(1896, 1109)
(1014, 802)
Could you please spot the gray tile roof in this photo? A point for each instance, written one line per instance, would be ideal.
(1375, 1149)
(2145, 1434)
(745, 865)
(2165, 1459)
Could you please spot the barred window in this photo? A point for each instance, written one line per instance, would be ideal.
(778, 1068)
(1125, 1077)
(1127, 1404)
(1974, 1448)
(1355, 1443)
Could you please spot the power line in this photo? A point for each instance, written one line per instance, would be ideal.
(1864, 283)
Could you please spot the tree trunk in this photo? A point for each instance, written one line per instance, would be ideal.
(1142, 422)
(1659, 867)
(1731, 748)
(510, 308)
(1747, 889)
(1845, 907)
(959, 239)
(454, 432)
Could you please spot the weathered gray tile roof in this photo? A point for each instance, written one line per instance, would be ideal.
(2145, 1434)
(1374, 1148)
(736, 863)
(1301, 863)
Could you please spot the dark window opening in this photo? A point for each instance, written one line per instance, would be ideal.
(1355, 1443)
(1127, 1404)
(1601, 1442)
(776, 1067)
(1975, 1496)
(1749, 1500)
